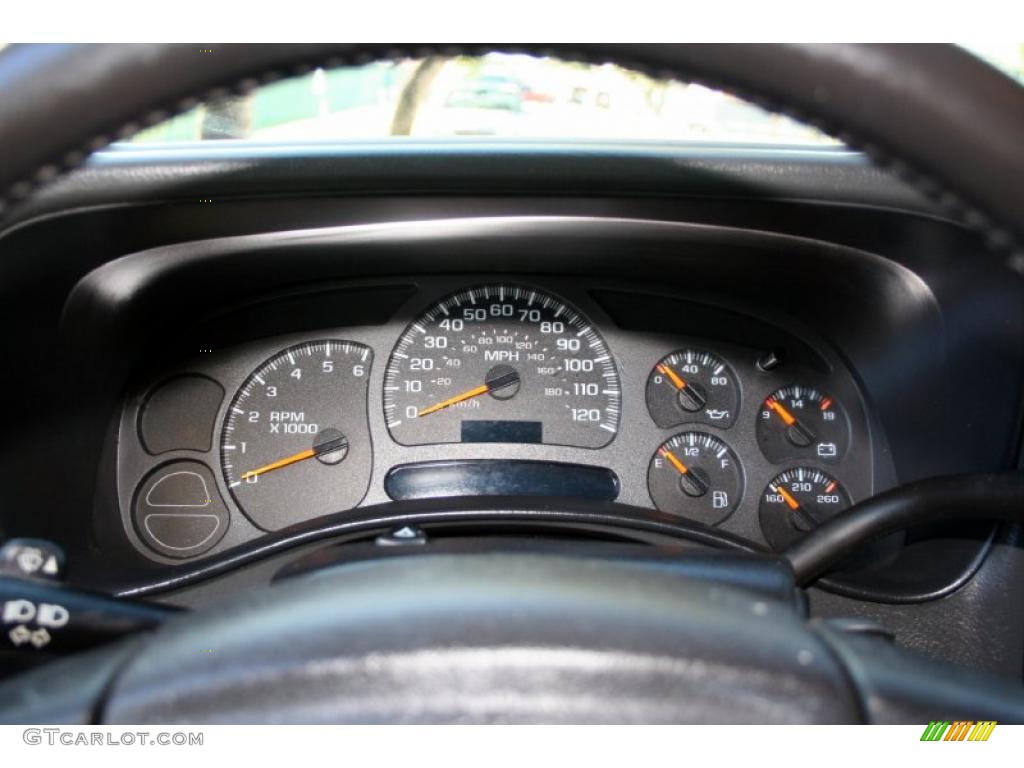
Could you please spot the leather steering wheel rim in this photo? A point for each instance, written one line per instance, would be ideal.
(939, 117)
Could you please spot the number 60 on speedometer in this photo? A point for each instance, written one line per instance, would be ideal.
(502, 364)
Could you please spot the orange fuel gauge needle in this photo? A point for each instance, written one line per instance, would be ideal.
(693, 483)
(287, 461)
(680, 467)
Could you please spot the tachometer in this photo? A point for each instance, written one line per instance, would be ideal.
(295, 443)
(502, 364)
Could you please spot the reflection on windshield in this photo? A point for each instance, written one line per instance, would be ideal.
(496, 96)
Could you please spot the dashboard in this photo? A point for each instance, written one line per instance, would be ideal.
(703, 303)
(517, 387)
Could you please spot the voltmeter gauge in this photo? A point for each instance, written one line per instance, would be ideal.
(692, 386)
(796, 502)
(695, 475)
(798, 422)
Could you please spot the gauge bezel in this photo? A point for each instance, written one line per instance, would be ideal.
(358, 462)
(692, 509)
(777, 533)
(605, 374)
(703, 415)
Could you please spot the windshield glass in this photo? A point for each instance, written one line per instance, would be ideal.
(498, 96)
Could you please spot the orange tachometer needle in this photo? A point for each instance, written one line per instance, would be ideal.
(279, 463)
(672, 375)
(468, 394)
(785, 415)
(674, 461)
(790, 501)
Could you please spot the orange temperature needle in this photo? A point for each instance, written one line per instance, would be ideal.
(785, 415)
(475, 392)
(279, 463)
(793, 503)
(672, 375)
(674, 461)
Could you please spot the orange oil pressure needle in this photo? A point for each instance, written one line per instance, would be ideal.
(785, 415)
(666, 371)
(674, 461)
(468, 394)
(279, 463)
(790, 501)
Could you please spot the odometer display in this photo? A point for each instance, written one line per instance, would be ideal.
(502, 363)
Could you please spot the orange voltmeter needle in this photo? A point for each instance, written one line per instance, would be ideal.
(787, 496)
(664, 370)
(785, 415)
(288, 460)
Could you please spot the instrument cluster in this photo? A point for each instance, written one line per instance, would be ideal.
(511, 387)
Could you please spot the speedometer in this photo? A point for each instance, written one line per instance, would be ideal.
(502, 364)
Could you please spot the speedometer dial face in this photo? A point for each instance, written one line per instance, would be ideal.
(295, 443)
(502, 364)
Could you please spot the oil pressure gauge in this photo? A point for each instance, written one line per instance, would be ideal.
(692, 386)
(799, 422)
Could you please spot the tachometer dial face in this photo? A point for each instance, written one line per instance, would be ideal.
(295, 443)
(502, 364)
(796, 502)
(692, 386)
(697, 476)
(798, 422)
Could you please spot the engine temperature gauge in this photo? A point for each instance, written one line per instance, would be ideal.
(692, 386)
(697, 476)
(798, 422)
(798, 501)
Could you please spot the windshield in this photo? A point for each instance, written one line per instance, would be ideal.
(498, 96)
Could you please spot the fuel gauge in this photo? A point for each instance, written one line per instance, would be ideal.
(695, 475)
(800, 422)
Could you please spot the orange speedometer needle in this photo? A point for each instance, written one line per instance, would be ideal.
(467, 395)
(288, 460)
(787, 497)
(499, 378)
(672, 376)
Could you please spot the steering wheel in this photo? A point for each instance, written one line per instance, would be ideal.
(519, 637)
